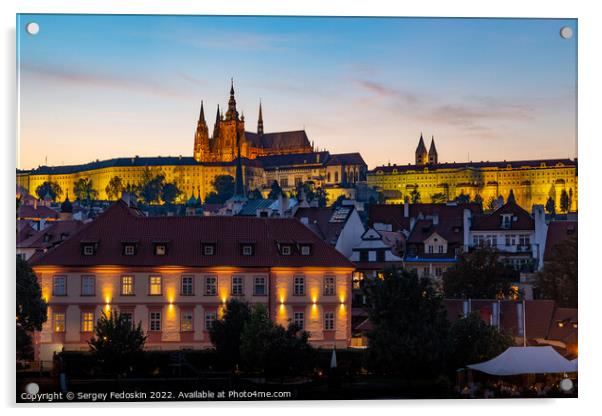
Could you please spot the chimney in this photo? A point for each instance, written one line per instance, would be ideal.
(406, 209)
(435, 219)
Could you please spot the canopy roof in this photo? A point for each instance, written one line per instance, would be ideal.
(526, 360)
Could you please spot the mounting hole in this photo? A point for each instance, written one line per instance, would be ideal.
(32, 28)
(566, 32)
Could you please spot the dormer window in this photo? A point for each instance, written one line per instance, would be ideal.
(129, 250)
(208, 249)
(89, 248)
(285, 250)
(506, 220)
(306, 250)
(246, 249)
(160, 249)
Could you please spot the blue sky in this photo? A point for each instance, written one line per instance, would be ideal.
(95, 87)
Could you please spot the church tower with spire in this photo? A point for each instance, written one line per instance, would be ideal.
(201, 138)
(422, 156)
(433, 159)
(260, 122)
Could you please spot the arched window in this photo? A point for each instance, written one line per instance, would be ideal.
(336, 176)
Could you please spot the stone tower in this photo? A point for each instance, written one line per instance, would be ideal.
(201, 138)
(433, 159)
(422, 156)
(260, 122)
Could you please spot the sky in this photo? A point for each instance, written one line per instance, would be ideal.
(103, 86)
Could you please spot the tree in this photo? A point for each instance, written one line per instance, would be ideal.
(150, 186)
(491, 204)
(49, 188)
(415, 196)
(480, 274)
(472, 341)
(224, 188)
(321, 196)
(255, 194)
(550, 206)
(564, 201)
(478, 199)
(273, 350)
(558, 279)
(117, 345)
(84, 190)
(438, 198)
(463, 198)
(511, 197)
(114, 188)
(170, 192)
(31, 308)
(226, 333)
(410, 326)
(275, 191)
(339, 201)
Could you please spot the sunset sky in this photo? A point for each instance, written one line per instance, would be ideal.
(97, 87)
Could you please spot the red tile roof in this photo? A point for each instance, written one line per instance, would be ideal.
(393, 214)
(51, 235)
(319, 221)
(29, 211)
(493, 221)
(185, 234)
(558, 231)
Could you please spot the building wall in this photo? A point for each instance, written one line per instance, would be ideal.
(280, 302)
(531, 185)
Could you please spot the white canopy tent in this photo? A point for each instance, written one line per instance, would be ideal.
(526, 360)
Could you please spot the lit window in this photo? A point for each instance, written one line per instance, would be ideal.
(87, 321)
(210, 317)
(154, 285)
(299, 320)
(305, 250)
(127, 317)
(155, 321)
(237, 286)
(160, 250)
(129, 250)
(88, 250)
(208, 249)
(259, 286)
(286, 250)
(59, 286)
(59, 321)
(299, 286)
(247, 250)
(328, 321)
(210, 285)
(127, 285)
(187, 288)
(329, 282)
(88, 285)
(186, 321)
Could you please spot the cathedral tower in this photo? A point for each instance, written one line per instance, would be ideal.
(422, 156)
(260, 122)
(433, 159)
(201, 138)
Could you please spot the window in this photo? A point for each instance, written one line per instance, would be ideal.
(59, 321)
(329, 282)
(87, 321)
(285, 250)
(305, 250)
(438, 271)
(88, 285)
(440, 249)
(237, 286)
(127, 285)
(160, 249)
(210, 317)
(364, 256)
(510, 240)
(155, 321)
(186, 321)
(154, 285)
(284, 183)
(380, 255)
(524, 240)
(187, 286)
(430, 249)
(506, 220)
(328, 321)
(477, 240)
(129, 250)
(88, 250)
(208, 249)
(59, 286)
(259, 286)
(210, 285)
(299, 320)
(247, 249)
(299, 286)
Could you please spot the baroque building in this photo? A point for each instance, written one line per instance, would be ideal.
(286, 157)
(532, 181)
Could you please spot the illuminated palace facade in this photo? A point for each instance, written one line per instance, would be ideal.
(175, 274)
(531, 181)
(261, 154)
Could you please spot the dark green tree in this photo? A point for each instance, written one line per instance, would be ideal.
(84, 190)
(463, 198)
(224, 189)
(511, 197)
(114, 188)
(564, 201)
(31, 308)
(550, 206)
(339, 201)
(415, 196)
(255, 194)
(150, 186)
(49, 188)
(321, 197)
(472, 341)
(558, 279)
(226, 333)
(479, 274)
(409, 338)
(117, 345)
(438, 198)
(275, 191)
(170, 192)
(478, 199)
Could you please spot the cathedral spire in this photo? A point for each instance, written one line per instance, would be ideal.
(433, 159)
(260, 121)
(232, 114)
(421, 153)
(202, 113)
